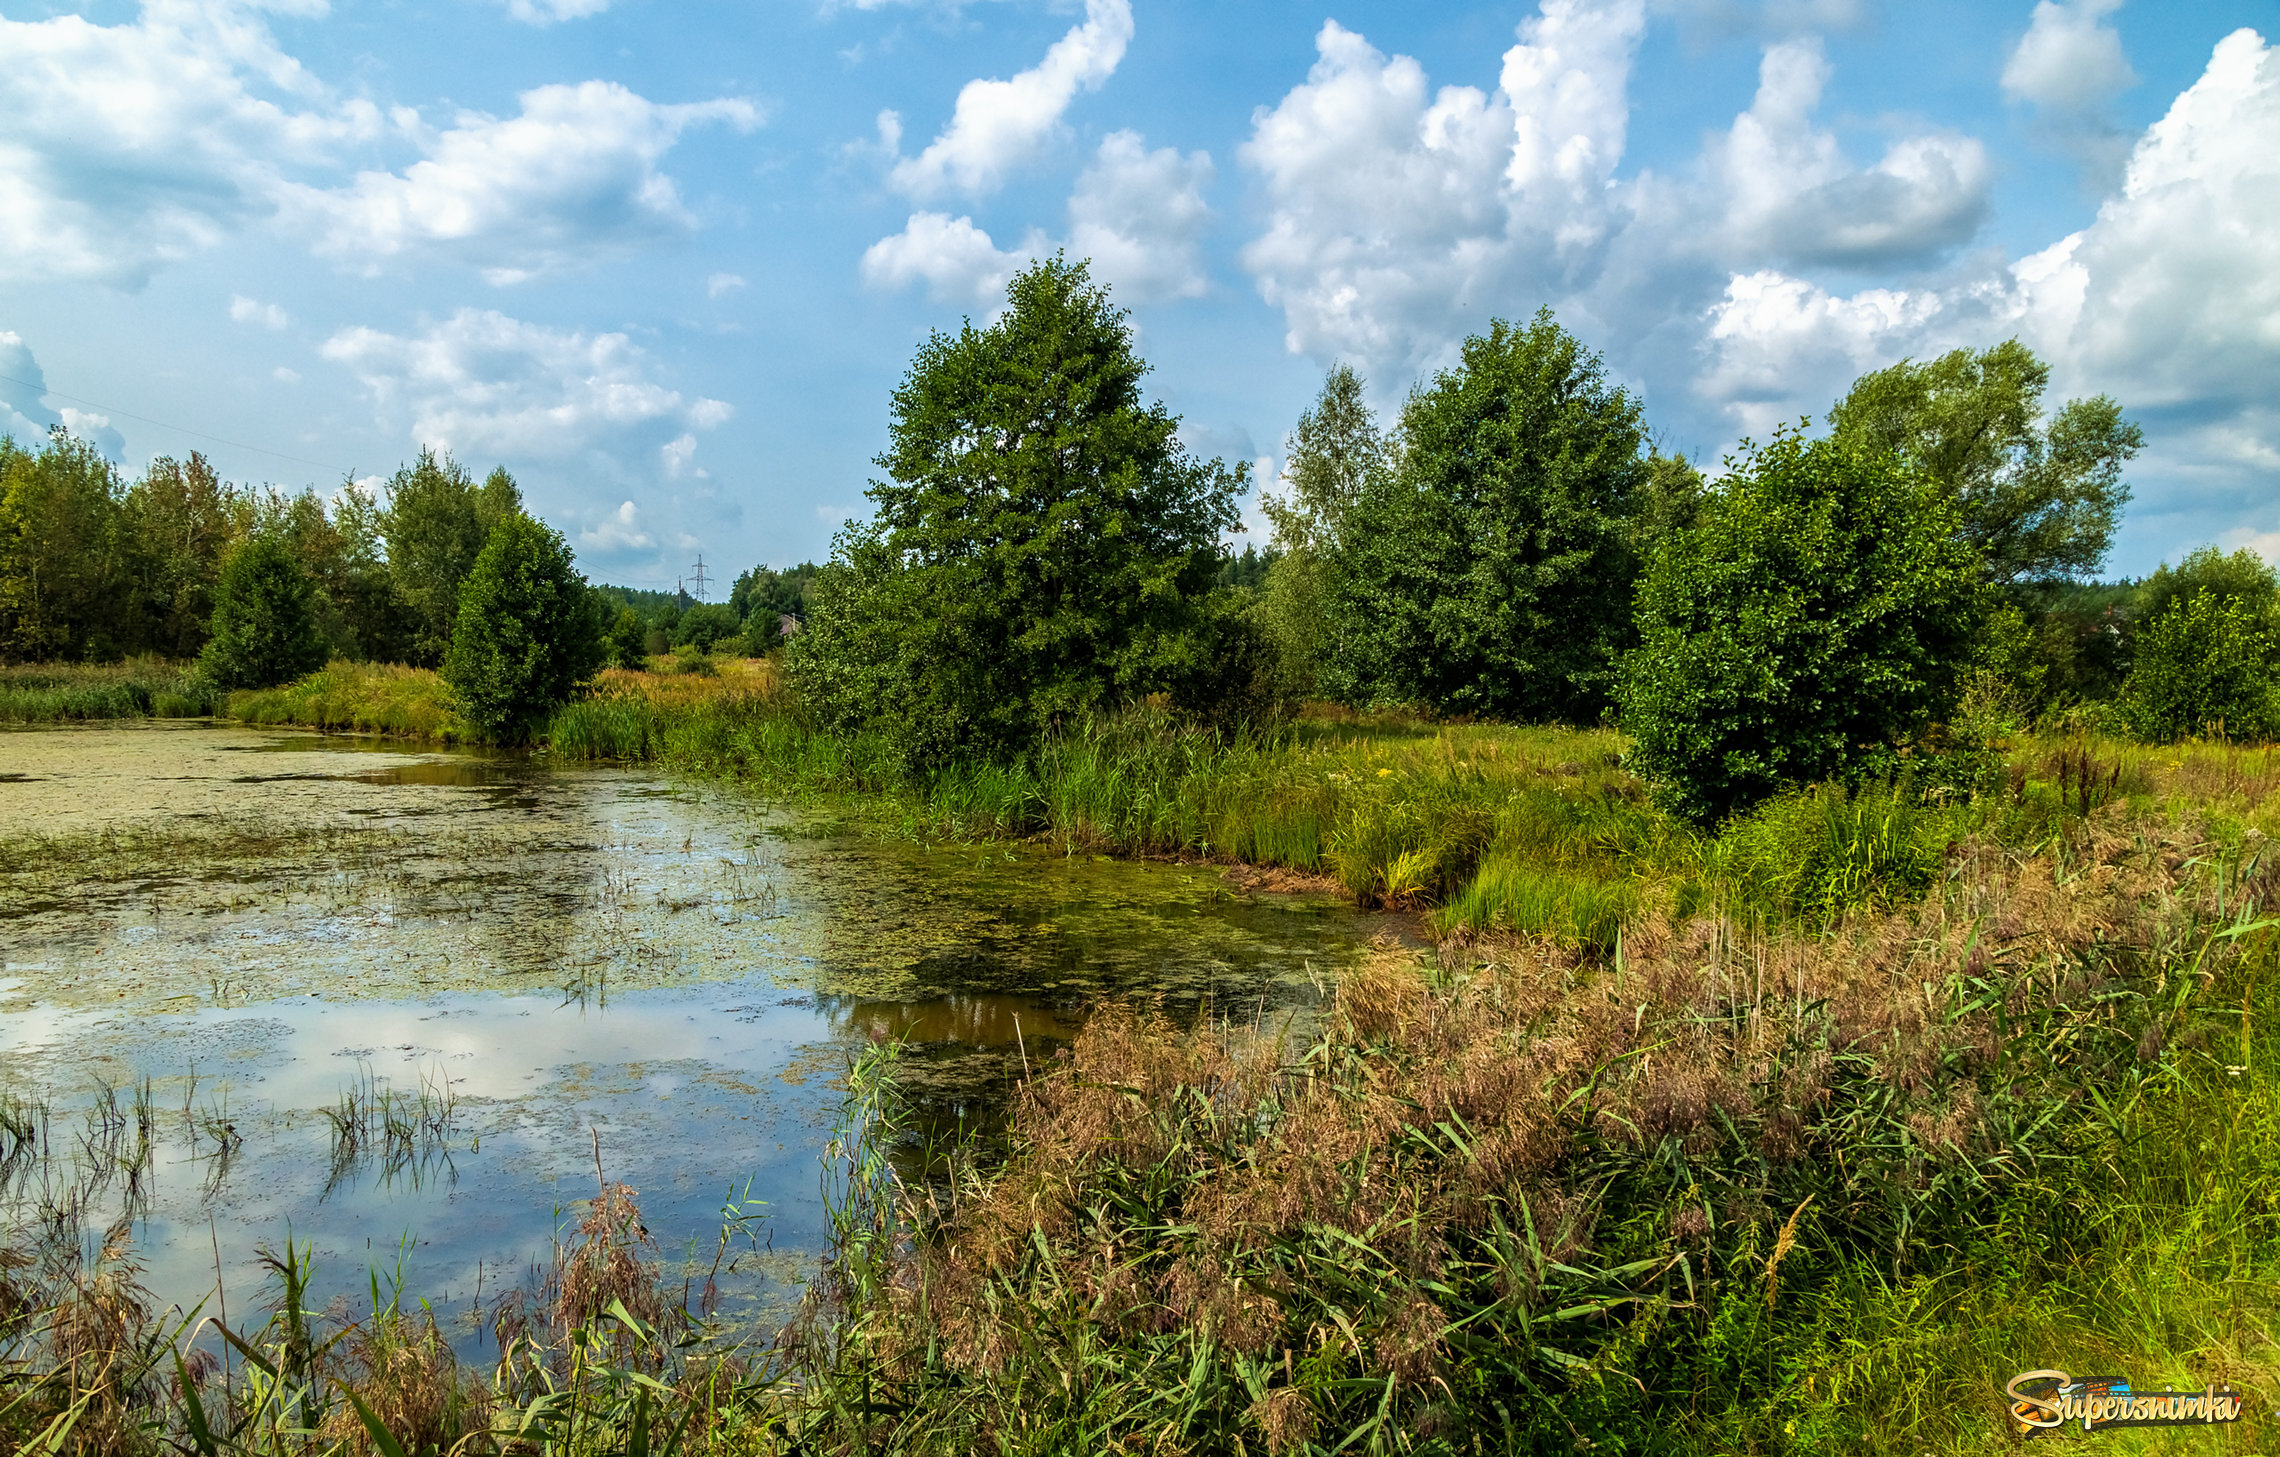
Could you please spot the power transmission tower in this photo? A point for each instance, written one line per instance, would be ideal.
(699, 571)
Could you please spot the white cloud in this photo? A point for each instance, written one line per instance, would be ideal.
(95, 429)
(2169, 301)
(554, 12)
(481, 381)
(720, 285)
(2069, 59)
(129, 146)
(1138, 214)
(955, 259)
(285, 376)
(1791, 194)
(999, 125)
(1393, 215)
(22, 386)
(676, 454)
(244, 310)
(618, 531)
(574, 175)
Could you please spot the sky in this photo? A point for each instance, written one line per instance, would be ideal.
(666, 262)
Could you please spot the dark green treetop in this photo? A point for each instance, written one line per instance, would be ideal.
(1042, 544)
(1490, 571)
(264, 631)
(528, 633)
(1815, 618)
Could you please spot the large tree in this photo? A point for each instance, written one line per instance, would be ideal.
(436, 523)
(1336, 450)
(1043, 545)
(2039, 498)
(264, 631)
(64, 587)
(1490, 570)
(528, 632)
(181, 520)
(1816, 616)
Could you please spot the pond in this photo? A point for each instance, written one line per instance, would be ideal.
(402, 1004)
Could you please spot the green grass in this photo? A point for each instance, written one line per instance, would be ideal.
(369, 698)
(136, 688)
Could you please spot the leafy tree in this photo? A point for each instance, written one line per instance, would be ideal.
(781, 593)
(626, 641)
(2038, 500)
(1335, 451)
(1817, 615)
(434, 527)
(528, 634)
(2205, 665)
(707, 624)
(763, 633)
(1490, 570)
(1043, 545)
(64, 588)
(2242, 577)
(263, 631)
(181, 520)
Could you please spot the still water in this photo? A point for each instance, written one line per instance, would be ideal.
(527, 969)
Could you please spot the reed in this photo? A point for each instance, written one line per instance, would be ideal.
(136, 688)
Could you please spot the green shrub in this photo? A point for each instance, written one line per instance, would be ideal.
(1820, 613)
(626, 641)
(706, 626)
(2205, 666)
(264, 631)
(526, 636)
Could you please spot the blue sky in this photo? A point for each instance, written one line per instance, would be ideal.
(665, 262)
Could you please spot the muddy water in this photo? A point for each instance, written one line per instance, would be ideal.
(535, 968)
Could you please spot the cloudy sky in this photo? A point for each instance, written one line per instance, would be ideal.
(665, 261)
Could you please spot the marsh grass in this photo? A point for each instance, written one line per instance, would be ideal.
(369, 698)
(1732, 1190)
(136, 688)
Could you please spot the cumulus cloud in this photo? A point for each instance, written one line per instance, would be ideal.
(22, 387)
(1392, 210)
(618, 531)
(129, 146)
(480, 381)
(999, 125)
(2169, 300)
(96, 430)
(575, 174)
(677, 454)
(955, 259)
(2069, 66)
(245, 310)
(2069, 59)
(554, 12)
(1138, 215)
(1790, 192)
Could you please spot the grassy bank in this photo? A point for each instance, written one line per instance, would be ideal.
(136, 688)
(1741, 1188)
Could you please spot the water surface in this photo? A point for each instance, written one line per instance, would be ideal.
(584, 964)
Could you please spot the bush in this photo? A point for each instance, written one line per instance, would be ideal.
(527, 634)
(2205, 666)
(264, 632)
(627, 641)
(763, 632)
(1818, 616)
(706, 626)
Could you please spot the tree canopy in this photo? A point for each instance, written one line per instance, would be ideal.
(1489, 571)
(2038, 499)
(1043, 545)
(1816, 617)
(264, 632)
(528, 631)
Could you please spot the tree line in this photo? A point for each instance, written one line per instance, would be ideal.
(1515, 546)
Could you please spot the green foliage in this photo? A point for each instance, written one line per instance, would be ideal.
(764, 588)
(528, 633)
(63, 572)
(136, 688)
(2039, 501)
(626, 640)
(2242, 577)
(1818, 616)
(1490, 571)
(181, 520)
(1818, 854)
(2207, 665)
(1043, 546)
(436, 523)
(1517, 896)
(264, 631)
(763, 633)
(705, 626)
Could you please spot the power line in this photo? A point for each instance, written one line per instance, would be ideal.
(161, 424)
